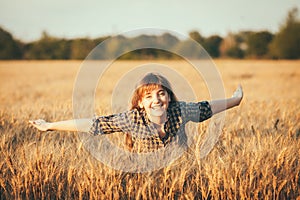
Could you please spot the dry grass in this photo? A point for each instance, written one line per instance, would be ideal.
(257, 156)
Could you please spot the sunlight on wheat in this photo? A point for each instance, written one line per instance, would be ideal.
(255, 157)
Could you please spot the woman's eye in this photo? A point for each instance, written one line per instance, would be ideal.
(148, 96)
(161, 93)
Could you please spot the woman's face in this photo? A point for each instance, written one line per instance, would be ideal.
(155, 102)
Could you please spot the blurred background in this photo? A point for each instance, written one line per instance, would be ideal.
(71, 29)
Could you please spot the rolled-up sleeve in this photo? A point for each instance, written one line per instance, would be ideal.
(110, 124)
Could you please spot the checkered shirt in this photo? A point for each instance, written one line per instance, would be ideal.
(143, 132)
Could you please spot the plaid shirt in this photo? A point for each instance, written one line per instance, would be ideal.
(143, 132)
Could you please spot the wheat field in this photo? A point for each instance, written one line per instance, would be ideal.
(257, 155)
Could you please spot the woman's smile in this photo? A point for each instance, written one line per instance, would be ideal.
(157, 110)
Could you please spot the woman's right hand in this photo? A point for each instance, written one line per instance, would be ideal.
(40, 124)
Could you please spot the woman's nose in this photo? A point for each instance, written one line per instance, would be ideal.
(156, 98)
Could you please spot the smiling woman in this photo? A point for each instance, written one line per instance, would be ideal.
(155, 120)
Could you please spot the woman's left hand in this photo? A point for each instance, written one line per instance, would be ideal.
(238, 94)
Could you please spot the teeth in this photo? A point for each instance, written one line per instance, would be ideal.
(156, 107)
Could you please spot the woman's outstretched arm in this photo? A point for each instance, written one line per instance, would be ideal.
(224, 104)
(82, 125)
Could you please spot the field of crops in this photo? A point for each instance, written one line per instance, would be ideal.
(257, 155)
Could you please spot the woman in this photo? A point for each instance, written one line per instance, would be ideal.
(156, 118)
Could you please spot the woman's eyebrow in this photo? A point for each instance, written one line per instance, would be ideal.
(148, 93)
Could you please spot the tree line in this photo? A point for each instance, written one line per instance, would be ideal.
(285, 44)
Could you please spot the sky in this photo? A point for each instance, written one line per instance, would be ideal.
(26, 20)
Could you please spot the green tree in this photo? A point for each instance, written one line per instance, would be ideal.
(286, 43)
(235, 52)
(80, 48)
(212, 45)
(188, 49)
(167, 40)
(48, 48)
(258, 44)
(234, 45)
(195, 35)
(155, 43)
(9, 48)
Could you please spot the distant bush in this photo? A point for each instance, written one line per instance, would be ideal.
(48, 48)
(286, 44)
(258, 44)
(9, 48)
(235, 52)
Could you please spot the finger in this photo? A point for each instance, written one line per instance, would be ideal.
(36, 122)
(31, 122)
(240, 87)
